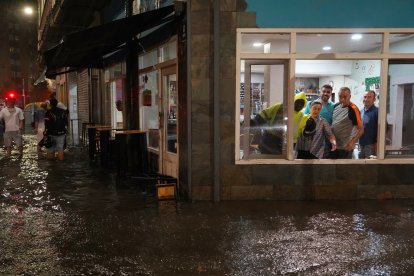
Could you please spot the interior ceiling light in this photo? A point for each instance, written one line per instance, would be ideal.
(356, 36)
(327, 48)
(257, 44)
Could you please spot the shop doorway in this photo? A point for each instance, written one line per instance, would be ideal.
(169, 118)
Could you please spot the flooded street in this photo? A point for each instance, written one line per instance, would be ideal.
(72, 218)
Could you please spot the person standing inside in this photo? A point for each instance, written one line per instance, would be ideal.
(14, 122)
(327, 105)
(346, 125)
(369, 115)
(271, 122)
(56, 122)
(311, 141)
(39, 118)
(326, 111)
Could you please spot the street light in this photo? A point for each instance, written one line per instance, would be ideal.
(28, 10)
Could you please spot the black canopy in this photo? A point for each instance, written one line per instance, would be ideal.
(94, 47)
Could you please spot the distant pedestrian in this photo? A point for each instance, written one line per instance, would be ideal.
(56, 122)
(14, 122)
(39, 118)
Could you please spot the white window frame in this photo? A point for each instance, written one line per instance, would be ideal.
(384, 56)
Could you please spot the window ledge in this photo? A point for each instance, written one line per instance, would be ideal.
(326, 161)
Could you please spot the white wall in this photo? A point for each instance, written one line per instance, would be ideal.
(323, 67)
(403, 46)
(338, 82)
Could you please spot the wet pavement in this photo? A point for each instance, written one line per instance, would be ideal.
(74, 218)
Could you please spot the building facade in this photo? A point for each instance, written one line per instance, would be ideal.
(189, 93)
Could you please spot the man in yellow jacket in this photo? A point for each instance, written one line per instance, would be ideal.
(272, 125)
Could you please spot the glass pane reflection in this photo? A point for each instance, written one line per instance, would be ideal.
(400, 112)
(339, 43)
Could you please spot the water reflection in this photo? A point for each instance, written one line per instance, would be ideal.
(72, 218)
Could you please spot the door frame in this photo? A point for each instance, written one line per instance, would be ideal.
(168, 161)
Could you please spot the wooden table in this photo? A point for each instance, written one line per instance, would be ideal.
(92, 138)
(132, 152)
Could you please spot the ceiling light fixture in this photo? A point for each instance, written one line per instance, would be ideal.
(257, 44)
(356, 36)
(327, 48)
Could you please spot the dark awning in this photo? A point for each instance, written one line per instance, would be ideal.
(91, 48)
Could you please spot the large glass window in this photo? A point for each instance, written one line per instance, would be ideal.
(168, 51)
(263, 127)
(265, 43)
(375, 67)
(150, 97)
(400, 111)
(339, 43)
(149, 109)
(171, 111)
(402, 43)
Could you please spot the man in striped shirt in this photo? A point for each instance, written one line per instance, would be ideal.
(346, 125)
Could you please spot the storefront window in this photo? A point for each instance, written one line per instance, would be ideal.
(148, 59)
(400, 117)
(265, 43)
(382, 96)
(168, 51)
(339, 43)
(262, 114)
(115, 71)
(170, 83)
(149, 108)
(402, 43)
(150, 98)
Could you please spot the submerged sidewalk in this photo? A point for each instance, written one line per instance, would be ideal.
(71, 218)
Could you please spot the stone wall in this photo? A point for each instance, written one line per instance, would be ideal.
(232, 15)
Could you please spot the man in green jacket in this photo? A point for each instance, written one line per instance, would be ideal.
(271, 123)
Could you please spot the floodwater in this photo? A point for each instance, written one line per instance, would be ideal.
(72, 218)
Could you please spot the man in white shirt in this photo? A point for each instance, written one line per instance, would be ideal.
(14, 122)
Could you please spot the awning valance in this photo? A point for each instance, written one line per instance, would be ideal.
(93, 47)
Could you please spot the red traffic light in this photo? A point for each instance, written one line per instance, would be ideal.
(11, 95)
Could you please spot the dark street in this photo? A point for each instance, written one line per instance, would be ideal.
(71, 218)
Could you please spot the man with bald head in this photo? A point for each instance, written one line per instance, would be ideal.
(346, 125)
